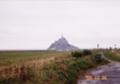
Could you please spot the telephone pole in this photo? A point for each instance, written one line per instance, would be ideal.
(98, 46)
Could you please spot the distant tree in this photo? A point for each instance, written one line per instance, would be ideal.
(87, 52)
(76, 54)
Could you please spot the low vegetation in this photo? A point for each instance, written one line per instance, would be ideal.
(113, 55)
(60, 67)
(78, 54)
(18, 57)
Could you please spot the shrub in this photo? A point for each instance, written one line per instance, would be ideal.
(98, 58)
(87, 52)
(76, 54)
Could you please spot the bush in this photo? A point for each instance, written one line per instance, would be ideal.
(98, 58)
(87, 52)
(76, 54)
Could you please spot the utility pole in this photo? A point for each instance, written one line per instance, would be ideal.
(98, 46)
(115, 46)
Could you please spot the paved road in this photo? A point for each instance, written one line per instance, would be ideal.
(111, 71)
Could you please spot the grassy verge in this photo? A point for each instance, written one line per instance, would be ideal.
(115, 56)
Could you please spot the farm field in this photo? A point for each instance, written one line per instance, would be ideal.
(18, 57)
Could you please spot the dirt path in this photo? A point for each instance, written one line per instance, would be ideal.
(110, 72)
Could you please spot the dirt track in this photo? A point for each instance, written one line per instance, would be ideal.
(110, 71)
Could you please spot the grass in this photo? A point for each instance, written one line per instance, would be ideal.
(15, 57)
(115, 56)
(63, 69)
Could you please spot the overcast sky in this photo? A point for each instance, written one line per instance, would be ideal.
(35, 24)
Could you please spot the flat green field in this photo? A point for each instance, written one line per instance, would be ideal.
(16, 57)
(113, 55)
